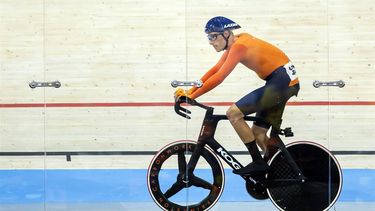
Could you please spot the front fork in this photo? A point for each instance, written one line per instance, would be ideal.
(207, 131)
(195, 157)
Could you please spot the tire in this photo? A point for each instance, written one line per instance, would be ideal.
(323, 182)
(169, 188)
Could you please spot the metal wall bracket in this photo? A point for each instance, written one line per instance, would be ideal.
(339, 83)
(35, 84)
(175, 83)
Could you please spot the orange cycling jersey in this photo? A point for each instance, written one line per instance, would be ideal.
(256, 54)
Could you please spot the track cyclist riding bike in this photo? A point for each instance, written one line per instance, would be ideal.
(268, 102)
(299, 176)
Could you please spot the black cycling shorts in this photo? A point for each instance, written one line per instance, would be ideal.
(268, 102)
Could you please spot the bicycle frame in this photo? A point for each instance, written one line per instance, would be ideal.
(206, 137)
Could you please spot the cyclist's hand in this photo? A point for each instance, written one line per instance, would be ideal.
(179, 92)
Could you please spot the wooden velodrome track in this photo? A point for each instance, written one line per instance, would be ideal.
(115, 60)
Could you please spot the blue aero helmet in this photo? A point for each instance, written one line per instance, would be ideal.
(220, 24)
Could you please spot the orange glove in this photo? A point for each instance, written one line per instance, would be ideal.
(180, 92)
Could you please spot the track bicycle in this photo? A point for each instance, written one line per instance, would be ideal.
(303, 176)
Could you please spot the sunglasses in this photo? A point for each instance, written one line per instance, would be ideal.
(213, 37)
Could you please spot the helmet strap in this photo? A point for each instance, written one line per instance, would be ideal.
(226, 41)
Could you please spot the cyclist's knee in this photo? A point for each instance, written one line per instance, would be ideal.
(234, 114)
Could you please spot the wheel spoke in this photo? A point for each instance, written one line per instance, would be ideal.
(181, 162)
(198, 182)
(176, 187)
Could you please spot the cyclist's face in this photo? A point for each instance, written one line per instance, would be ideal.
(216, 40)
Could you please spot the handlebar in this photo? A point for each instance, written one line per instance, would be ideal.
(183, 111)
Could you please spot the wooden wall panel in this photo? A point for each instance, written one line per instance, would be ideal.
(115, 49)
(21, 50)
(129, 51)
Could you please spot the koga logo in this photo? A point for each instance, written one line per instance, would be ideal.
(230, 25)
(228, 158)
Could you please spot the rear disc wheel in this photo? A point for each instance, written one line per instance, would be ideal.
(323, 178)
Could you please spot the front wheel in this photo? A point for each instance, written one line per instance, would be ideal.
(322, 185)
(172, 188)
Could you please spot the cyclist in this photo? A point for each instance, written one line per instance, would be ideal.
(267, 102)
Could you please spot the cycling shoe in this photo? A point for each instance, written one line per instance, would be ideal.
(253, 168)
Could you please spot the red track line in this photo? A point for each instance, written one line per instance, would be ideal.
(332, 103)
(164, 104)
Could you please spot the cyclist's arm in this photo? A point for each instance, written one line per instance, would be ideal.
(214, 78)
(211, 71)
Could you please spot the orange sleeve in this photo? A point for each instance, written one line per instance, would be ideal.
(221, 70)
(211, 71)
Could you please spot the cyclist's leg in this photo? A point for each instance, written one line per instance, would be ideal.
(236, 118)
(244, 131)
(255, 102)
(261, 137)
(271, 112)
(273, 117)
(272, 103)
(246, 105)
(270, 107)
